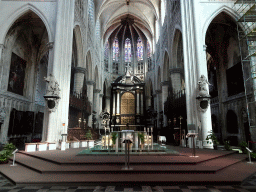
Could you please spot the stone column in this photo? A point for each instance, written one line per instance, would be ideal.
(195, 65)
(100, 101)
(138, 102)
(190, 63)
(141, 103)
(79, 79)
(118, 102)
(90, 85)
(114, 103)
(107, 102)
(159, 103)
(61, 70)
(165, 85)
(148, 102)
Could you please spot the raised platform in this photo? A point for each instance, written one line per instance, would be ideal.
(51, 167)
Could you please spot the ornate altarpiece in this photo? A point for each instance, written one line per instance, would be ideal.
(127, 103)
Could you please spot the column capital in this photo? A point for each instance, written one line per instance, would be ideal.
(154, 95)
(165, 83)
(96, 90)
(101, 95)
(90, 82)
(49, 45)
(79, 70)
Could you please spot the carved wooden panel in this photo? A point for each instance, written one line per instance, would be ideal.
(127, 103)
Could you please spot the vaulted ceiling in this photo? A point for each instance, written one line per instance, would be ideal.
(111, 12)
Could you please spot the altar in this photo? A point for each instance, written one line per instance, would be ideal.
(132, 135)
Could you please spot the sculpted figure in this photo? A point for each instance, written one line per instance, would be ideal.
(53, 86)
(203, 92)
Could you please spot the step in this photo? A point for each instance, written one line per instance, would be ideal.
(70, 157)
(232, 175)
(210, 166)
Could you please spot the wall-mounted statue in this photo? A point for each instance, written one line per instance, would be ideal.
(203, 97)
(202, 88)
(52, 95)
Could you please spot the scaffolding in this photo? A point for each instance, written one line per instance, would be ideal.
(246, 27)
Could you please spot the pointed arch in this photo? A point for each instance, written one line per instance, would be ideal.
(230, 12)
(177, 50)
(79, 46)
(8, 22)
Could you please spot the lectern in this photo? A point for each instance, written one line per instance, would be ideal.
(127, 155)
(193, 135)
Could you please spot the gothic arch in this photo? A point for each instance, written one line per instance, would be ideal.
(177, 52)
(19, 13)
(230, 12)
(79, 46)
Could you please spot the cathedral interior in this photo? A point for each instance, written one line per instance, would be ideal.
(126, 64)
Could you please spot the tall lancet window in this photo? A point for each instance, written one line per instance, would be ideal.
(115, 50)
(139, 49)
(127, 50)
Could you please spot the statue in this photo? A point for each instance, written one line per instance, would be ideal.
(52, 93)
(203, 91)
(53, 86)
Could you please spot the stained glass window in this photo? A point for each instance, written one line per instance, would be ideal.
(128, 50)
(148, 50)
(139, 49)
(115, 50)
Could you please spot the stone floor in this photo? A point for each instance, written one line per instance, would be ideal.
(247, 186)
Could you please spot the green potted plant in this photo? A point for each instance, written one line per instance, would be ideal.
(6, 153)
(227, 145)
(89, 138)
(211, 138)
(141, 136)
(243, 146)
(114, 136)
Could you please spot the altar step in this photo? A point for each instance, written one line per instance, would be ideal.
(65, 168)
(211, 166)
